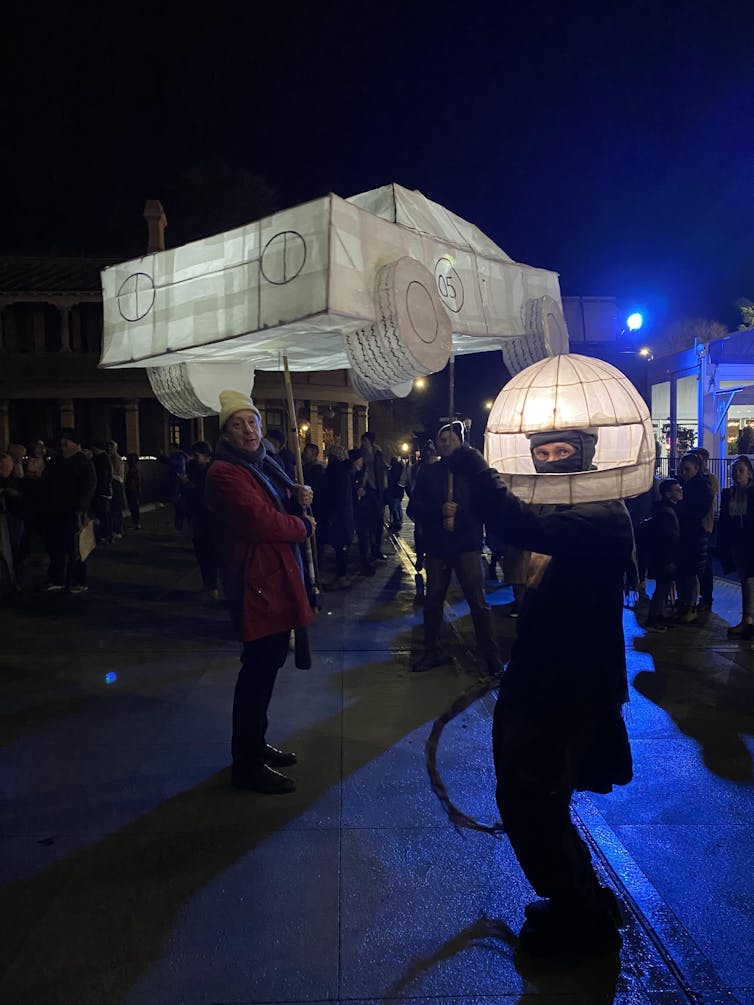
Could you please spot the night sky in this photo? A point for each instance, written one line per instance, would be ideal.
(615, 146)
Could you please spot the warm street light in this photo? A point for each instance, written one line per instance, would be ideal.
(304, 427)
(488, 404)
(405, 448)
(420, 383)
(646, 352)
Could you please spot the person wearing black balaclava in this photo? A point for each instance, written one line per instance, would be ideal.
(558, 725)
(452, 540)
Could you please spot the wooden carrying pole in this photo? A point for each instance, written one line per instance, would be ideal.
(300, 478)
(449, 522)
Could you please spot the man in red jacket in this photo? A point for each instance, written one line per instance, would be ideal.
(258, 522)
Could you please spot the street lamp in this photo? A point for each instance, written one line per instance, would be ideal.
(420, 383)
(487, 405)
(405, 448)
(634, 321)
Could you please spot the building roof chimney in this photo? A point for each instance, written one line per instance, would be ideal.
(154, 214)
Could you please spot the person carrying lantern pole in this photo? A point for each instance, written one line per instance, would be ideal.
(558, 725)
(452, 541)
(258, 520)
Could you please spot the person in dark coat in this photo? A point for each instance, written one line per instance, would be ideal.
(557, 724)
(132, 485)
(103, 494)
(69, 480)
(707, 579)
(201, 531)
(662, 549)
(428, 456)
(396, 480)
(334, 512)
(452, 535)
(371, 496)
(692, 514)
(735, 539)
(282, 452)
(250, 500)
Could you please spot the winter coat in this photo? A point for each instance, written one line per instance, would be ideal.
(193, 491)
(570, 645)
(335, 510)
(103, 468)
(257, 554)
(396, 480)
(661, 544)
(369, 508)
(569, 656)
(735, 535)
(425, 508)
(692, 512)
(69, 484)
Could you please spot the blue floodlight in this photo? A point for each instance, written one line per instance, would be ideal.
(634, 321)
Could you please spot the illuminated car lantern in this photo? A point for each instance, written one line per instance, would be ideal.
(572, 392)
(386, 284)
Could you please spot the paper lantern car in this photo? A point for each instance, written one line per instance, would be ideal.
(385, 283)
(572, 392)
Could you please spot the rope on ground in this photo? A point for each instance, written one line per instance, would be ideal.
(478, 690)
(457, 817)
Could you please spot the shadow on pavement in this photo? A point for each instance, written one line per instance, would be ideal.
(97, 921)
(711, 705)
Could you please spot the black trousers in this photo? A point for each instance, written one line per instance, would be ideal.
(260, 662)
(536, 758)
(468, 569)
(66, 569)
(205, 556)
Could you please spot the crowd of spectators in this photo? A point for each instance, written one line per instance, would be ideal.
(49, 495)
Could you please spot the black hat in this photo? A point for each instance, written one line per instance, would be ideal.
(456, 427)
(201, 447)
(69, 433)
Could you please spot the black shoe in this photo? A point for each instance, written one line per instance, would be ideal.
(493, 665)
(429, 661)
(275, 758)
(263, 779)
(554, 929)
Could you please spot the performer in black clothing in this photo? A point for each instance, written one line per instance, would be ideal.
(558, 725)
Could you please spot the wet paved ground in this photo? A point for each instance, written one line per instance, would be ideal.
(132, 873)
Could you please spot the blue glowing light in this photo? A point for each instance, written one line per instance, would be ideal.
(110, 678)
(634, 321)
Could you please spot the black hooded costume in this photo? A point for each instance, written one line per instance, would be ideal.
(558, 724)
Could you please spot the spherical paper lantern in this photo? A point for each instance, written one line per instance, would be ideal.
(192, 390)
(572, 392)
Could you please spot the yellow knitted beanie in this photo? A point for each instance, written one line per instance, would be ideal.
(235, 401)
